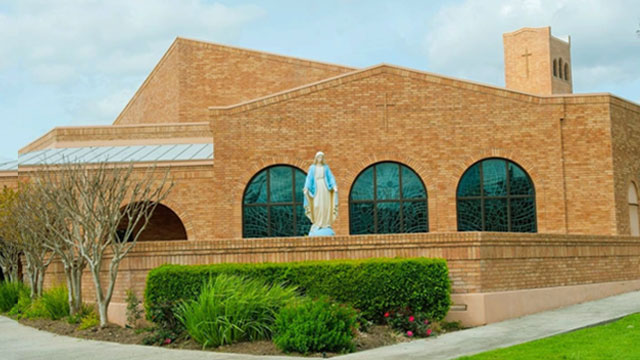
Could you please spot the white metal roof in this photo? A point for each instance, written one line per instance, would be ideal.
(113, 154)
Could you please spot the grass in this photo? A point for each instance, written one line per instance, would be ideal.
(613, 341)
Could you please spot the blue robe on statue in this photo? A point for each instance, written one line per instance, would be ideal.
(311, 186)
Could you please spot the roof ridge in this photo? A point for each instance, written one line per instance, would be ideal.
(264, 53)
(286, 94)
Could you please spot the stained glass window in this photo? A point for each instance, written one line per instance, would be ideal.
(272, 204)
(496, 195)
(388, 197)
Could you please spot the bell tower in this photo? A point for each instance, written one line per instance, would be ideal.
(537, 62)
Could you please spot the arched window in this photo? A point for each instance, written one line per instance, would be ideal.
(496, 195)
(555, 67)
(164, 224)
(272, 204)
(388, 197)
(566, 71)
(634, 224)
(560, 68)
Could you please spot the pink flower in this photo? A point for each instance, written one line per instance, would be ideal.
(411, 318)
(409, 333)
(166, 341)
(386, 314)
(428, 332)
(426, 322)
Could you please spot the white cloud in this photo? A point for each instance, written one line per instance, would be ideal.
(94, 54)
(126, 34)
(465, 39)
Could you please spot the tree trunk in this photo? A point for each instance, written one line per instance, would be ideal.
(100, 301)
(13, 274)
(102, 310)
(74, 288)
(33, 281)
(76, 282)
(40, 280)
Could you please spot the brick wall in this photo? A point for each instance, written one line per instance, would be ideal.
(586, 133)
(560, 49)
(194, 75)
(8, 179)
(625, 129)
(158, 98)
(438, 127)
(478, 262)
(528, 61)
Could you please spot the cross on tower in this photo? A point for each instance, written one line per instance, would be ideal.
(526, 56)
(385, 108)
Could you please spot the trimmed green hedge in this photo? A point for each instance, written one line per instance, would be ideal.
(373, 286)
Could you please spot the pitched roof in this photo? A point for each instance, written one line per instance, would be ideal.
(115, 154)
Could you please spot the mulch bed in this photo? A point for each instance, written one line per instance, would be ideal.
(112, 333)
(376, 336)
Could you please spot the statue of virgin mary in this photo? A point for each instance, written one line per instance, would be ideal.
(320, 197)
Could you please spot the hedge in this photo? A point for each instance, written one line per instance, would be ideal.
(373, 286)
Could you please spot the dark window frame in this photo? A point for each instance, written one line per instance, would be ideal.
(401, 200)
(268, 204)
(508, 195)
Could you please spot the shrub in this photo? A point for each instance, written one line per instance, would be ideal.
(23, 305)
(36, 310)
(315, 326)
(409, 323)
(85, 311)
(373, 285)
(53, 305)
(90, 320)
(55, 302)
(10, 293)
(134, 313)
(232, 309)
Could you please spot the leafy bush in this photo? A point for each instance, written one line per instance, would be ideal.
(134, 313)
(85, 311)
(409, 323)
(10, 293)
(52, 305)
(36, 310)
(90, 320)
(232, 309)
(23, 305)
(373, 285)
(55, 302)
(314, 326)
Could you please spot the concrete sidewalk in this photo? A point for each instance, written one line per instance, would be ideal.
(22, 342)
(510, 332)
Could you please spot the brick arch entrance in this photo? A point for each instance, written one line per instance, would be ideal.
(163, 225)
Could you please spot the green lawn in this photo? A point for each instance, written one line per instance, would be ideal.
(617, 340)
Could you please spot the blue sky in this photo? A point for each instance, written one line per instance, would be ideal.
(79, 62)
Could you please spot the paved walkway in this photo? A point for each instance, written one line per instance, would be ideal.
(22, 342)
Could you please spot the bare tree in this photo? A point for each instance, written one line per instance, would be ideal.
(106, 208)
(9, 259)
(31, 232)
(58, 237)
(9, 250)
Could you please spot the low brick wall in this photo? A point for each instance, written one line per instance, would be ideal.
(478, 262)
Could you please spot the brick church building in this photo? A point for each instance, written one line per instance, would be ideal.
(529, 191)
